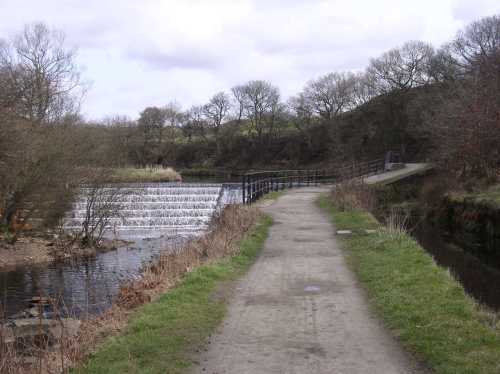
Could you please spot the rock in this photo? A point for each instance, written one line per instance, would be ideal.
(32, 329)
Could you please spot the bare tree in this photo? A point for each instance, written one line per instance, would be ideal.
(401, 68)
(478, 46)
(216, 111)
(331, 94)
(195, 123)
(119, 133)
(466, 125)
(260, 103)
(443, 67)
(102, 208)
(466, 130)
(239, 101)
(38, 163)
(174, 115)
(44, 73)
(363, 90)
(302, 115)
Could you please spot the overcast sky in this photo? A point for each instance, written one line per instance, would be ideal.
(138, 53)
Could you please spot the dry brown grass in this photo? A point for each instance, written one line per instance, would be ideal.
(228, 229)
(353, 195)
(155, 173)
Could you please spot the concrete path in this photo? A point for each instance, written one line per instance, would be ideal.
(396, 175)
(299, 309)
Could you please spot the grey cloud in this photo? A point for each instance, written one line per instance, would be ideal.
(165, 60)
(468, 11)
(136, 51)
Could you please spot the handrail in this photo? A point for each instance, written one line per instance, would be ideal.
(257, 184)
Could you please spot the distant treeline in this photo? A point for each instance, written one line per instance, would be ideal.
(440, 104)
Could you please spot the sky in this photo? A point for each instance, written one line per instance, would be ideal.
(139, 53)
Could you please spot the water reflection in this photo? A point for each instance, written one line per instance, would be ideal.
(84, 286)
(87, 286)
(479, 279)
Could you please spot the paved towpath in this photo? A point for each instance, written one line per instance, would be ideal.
(299, 309)
(393, 176)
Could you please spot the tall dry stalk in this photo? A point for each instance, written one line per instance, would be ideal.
(397, 223)
(353, 194)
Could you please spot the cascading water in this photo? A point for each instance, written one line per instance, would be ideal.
(160, 209)
(165, 215)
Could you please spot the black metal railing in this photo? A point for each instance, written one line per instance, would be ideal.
(257, 184)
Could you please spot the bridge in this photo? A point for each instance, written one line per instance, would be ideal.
(379, 171)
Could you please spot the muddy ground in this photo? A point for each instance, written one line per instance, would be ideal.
(31, 250)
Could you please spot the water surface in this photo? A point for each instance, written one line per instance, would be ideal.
(158, 217)
(479, 279)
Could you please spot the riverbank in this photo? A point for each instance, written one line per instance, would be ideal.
(33, 250)
(420, 302)
(161, 336)
(172, 268)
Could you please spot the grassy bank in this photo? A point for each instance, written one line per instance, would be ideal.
(489, 196)
(148, 174)
(419, 301)
(161, 336)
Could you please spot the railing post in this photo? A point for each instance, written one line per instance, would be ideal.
(243, 188)
(257, 188)
(252, 189)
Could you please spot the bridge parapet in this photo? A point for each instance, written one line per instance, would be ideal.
(257, 184)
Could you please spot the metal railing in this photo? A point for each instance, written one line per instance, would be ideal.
(257, 184)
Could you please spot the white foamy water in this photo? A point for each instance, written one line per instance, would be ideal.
(155, 217)
(158, 209)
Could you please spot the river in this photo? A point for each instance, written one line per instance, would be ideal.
(479, 279)
(173, 215)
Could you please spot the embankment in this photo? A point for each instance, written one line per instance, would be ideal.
(474, 225)
(419, 301)
(161, 336)
(157, 319)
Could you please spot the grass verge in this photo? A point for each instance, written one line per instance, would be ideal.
(489, 196)
(147, 174)
(161, 336)
(273, 195)
(419, 301)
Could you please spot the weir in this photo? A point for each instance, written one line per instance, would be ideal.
(165, 215)
(157, 209)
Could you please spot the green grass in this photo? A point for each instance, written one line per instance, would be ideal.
(148, 174)
(348, 220)
(273, 195)
(419, 301)
(490, 196)
(161, 336)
